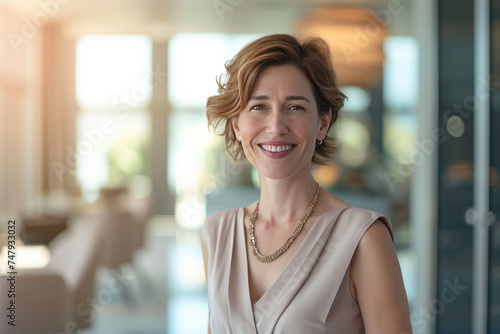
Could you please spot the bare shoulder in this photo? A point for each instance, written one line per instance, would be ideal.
(378, 281)
(377, 235)
(247, 211)
(249, 208)
(374, 252)
(328, 202)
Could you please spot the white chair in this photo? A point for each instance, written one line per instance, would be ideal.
(75, 255)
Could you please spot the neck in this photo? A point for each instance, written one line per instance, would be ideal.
(286, 201)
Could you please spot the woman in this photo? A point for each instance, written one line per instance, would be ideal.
(299, 260)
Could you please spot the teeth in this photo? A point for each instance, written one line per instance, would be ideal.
(272, 148)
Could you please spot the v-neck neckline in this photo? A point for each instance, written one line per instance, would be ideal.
(279, 279)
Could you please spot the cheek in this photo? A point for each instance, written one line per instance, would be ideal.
(307, 130)
(249, 126)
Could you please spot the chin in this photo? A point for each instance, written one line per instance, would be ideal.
(277, 173)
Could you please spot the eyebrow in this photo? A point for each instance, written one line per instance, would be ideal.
(288, 98)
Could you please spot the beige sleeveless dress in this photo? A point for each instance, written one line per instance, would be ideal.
(311, 295)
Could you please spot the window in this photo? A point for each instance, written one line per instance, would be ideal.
(114, 84)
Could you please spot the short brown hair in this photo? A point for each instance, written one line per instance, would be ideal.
(312, 56)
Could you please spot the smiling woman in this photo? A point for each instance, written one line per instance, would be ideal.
(299, 260)
(280, 122)
(313, 58)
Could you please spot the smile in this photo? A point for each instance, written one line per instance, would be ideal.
(277, 148)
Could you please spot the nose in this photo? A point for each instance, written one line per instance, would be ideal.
(277, 123)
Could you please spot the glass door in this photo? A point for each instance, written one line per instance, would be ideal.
(452, 306)
(468, 268)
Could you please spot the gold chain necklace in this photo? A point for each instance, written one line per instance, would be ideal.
(296, 232)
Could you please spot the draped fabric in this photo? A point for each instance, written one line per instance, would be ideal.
(312, 293)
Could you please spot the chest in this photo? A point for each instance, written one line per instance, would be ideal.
(261, 276)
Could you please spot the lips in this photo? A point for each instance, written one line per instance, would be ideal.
(276, 150)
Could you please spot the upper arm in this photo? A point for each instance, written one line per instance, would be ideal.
(379, 284)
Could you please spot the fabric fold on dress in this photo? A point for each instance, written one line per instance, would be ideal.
(268, 309)
(311, 295)
(240, 308)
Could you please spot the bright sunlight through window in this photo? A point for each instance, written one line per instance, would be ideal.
(111, 68)
(114, 83)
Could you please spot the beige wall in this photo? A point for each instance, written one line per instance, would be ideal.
(37, 113)
(59, 111)
(20, 114)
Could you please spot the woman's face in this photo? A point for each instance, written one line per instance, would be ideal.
(280, 124)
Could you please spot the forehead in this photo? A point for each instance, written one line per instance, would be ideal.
(283, 79)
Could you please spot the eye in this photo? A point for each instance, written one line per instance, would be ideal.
(296, 108)
(257, 107)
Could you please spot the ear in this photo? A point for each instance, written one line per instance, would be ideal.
(324, 123)
(236, 128)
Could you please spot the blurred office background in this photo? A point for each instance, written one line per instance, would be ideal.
(108, 168)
